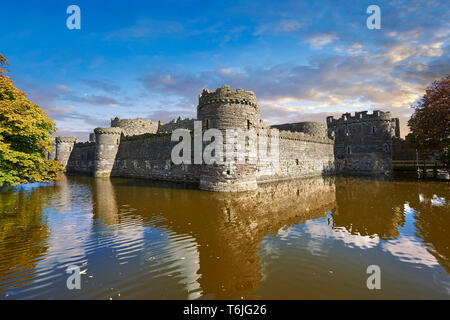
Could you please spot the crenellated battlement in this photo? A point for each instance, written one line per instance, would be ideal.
(113, 130)
(63, 148)
(136, 126)
(85, 144)
(62, 139)
(117, 122)
(225, 95)
(145, 136)
(361, 116)
(174, 124)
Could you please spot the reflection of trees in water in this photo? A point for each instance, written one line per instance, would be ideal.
(368, 207)
(433, 220)
(23, 231)
(371, 207)
(228, 227)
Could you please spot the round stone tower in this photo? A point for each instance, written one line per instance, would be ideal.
(317, 129)
(222, 110)
(64, 147)
(107, 142)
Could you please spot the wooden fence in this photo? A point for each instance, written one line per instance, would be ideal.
(414, 165)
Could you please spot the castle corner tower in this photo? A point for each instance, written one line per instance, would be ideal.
(64, 147)
(107, 142)
(363, 142)
(225, 109)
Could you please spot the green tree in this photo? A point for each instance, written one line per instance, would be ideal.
(430, 123)
(25, 136)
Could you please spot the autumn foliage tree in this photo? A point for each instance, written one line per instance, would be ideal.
(25, 136)
(430, 123)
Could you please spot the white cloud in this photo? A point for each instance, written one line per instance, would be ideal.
(408, 249)
(320, 40)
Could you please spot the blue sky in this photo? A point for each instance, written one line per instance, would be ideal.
(151, 59)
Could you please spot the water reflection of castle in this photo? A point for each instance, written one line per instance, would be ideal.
(229, 227)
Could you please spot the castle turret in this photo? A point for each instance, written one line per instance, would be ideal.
(107, 142)
(363, 142)
(222, 110)
(64, 147)
(51, 155)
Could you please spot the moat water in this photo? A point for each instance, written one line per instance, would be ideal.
(307, 239)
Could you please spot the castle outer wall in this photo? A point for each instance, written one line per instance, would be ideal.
(148, 156)
(357, 145)
(120, 152)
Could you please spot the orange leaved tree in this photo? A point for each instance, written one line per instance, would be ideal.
(25, 136)
(430, 123)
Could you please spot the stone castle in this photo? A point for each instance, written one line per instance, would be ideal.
(138, 148)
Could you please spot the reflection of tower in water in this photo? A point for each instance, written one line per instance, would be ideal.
(105, 204)
(241, 222)
(228, 228)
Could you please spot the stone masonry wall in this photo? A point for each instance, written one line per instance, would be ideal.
(179, 123)
(312, 128)
(64, 147)
(149, 156)
(82, 158)
(300, 155)
(363, 143)
(142, 148)
(225, 109)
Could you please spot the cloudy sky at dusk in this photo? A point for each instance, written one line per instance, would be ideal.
(303, 59)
